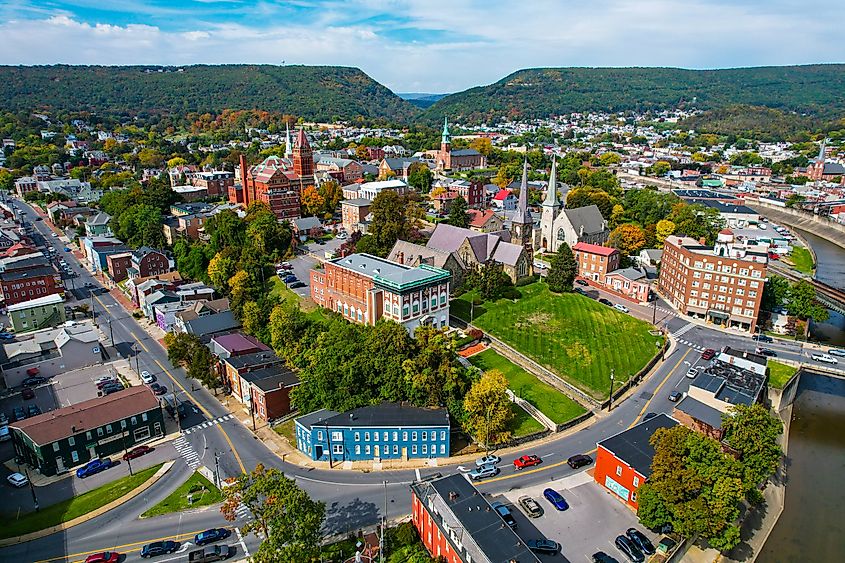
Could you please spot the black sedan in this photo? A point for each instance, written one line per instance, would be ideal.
(159, 548)
(642, 542)
(629, 548)
(34, 380)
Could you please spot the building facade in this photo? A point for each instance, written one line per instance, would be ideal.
(53, 442)
(34, 314)
(354, 213)
(274, 182)
(365, 288)
(22, 285)
(462, 159)
(594, 262)
(722, 284)
(148, 262)
(379, 432)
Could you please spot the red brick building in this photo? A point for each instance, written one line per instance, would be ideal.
(623, 461)
(595, 262)
(27, 284)
(147, 262)
(271, 389)
(118, 266)
(274, 182)
(303, 158)
(354, 212)
(216, 183)
(722, 284)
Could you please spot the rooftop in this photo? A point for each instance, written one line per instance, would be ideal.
(699, 411)
(632, 446)
(238, 342)
(390, 274)
(28, 273)
(594, 249)
(53, 299)
(61, 423)
(272, 378)
(383, 415)
(730, 383)
(263, 357)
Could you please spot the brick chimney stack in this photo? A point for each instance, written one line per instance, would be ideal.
(244, 180)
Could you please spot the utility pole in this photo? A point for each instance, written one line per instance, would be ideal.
(381, 545)
(91, 292)
(31, 489)
(654, 312)
(128, 461)
(487, 433)
(111, 332)
(252, 411)
(137, 353)
(610, 399)
(216, 469)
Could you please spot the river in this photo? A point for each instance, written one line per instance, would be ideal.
(811, 528)
(830, 269)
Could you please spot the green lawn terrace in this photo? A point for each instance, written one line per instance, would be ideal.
(575, 337)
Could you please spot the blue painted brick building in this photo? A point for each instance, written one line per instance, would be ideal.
(379, 432)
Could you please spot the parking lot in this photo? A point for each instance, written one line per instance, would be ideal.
(302, 264)
(591, 523)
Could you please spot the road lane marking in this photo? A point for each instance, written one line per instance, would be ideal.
(659, 387)
(182, 387)
(241, 541)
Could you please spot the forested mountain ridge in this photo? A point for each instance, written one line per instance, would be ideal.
(542, 92)
(318, 93)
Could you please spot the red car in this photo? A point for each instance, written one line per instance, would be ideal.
(137, 452)
(104, 557)
(708, 354)
(526, 461)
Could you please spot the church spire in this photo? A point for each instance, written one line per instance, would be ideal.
(523, 214)
(551, 193)
(288, 142)
(445, 138)
(821, 150)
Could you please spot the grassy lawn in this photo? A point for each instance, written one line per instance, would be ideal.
(801, 259)
(287, 295)
(578, 338)
(178, 499)
(75, 507)
(287, 430)
(546, 398)
(522, 424)
(779, 374)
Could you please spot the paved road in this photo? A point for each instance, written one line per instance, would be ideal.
(353, 499)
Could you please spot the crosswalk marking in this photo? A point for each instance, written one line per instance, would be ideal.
(186, 450)
(683, 330)
(208, 423)
(242, 511)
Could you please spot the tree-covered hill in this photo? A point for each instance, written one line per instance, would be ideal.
(311, 92)
(541, 92)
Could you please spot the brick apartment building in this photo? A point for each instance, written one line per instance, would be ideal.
(118, 266)
(594, 261)
(147, 262)
(722, 284)
(354, 213)
(216, 183)
(18, 286)
(364, 288)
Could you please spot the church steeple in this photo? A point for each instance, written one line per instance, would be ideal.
(821, 151)
(551, 193)
(445, 137)
(523, 214)
(522, 224)
(288, 142)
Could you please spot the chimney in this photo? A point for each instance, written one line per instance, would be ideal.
(243, 179)
(401, 257)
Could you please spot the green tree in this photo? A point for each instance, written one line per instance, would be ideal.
(458, 213)
(663, 229)
(753, 432)
(200, 366)
(388, 224)
(433, 375)
(288, 326)
(582, 197)
(803, 304)
(492, 281)
(562, 271)
(140, 225)
(420, 177)
(287, 518)
(696, 221)
(488, 409)
(659, 168)
(7, 181)
(775, 293)
(220, 269)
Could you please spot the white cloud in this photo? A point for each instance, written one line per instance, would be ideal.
(484, 39)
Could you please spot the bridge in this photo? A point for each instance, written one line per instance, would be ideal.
(831, 297)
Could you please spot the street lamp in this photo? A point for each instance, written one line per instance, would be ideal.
(31, 489)
(610, 399)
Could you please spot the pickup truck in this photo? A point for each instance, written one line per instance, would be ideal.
(210, 553)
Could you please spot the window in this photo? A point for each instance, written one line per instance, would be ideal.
(88, 436)
(357, 436)
(414, 449)
(366, 436)
(636, 481)
(404, 310)
(424, 435)
(359, 315)
(395, 449)
(414, 436)
(337, 448)
(337, 436)
(100, 432)
(55, 446)
(108, 429)
(123, 425)
(144, 417)
(367, 449)
(634, 496)
(319, 434)
(442, 298)
(71, 441)
(395, 436)
(442, 434)
(74, 457)
(404, 436)
(425, 449)
(375, 436)
(619, 471)
(384, 437)
(442, 449)
(142, 433)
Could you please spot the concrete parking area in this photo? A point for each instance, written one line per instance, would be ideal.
(591, 523)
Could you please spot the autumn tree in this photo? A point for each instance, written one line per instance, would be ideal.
(420, 177)
(664, 229)
(562, 271)
(288, 520)
(482, 145)
(388, 224)
(312, 201)
(628, 239)
(584, 196)
(221, 268)
(488, 409)
(659, 168)
(617, 215)
(331, 193)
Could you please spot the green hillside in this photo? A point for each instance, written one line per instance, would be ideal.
(311, 92)
(541, 92)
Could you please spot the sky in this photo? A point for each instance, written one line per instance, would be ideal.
(433, 46)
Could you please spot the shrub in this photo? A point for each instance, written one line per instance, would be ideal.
(754, 496)
(527, 280)
(475, 333)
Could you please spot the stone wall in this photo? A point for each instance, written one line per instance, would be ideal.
(821, 226)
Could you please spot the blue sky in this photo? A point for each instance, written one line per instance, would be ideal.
(425, 45)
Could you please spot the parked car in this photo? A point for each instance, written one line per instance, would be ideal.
(17, 480)
(543, 547)
(631, 551)
(483, 472)
(18, 413)
(579, 290)
(642, 542)
(824, 358)
(93, 467)
(27, 393)
(621, 307)
(137, 452)
(766, 352)
(155, 386)
(34, 380)
(209, 554)
(211, 536)
(488, 460)
(556, 499)
(111, 381)
(692, 372)
(836, 352)
(105, 556)
(762, 338)
(104, 378)
(505, 513)
(581, 282)
(290, 278)
(160, 390)
(112, 387)
(297, 285)
(526, 461)
(674, 396)
(579, 460)
(7, 336)
(147, 377)
(159, 548)
(604, 301)
(602, 557)
(32, 410)
(539, 265)
(531, 507)
(708, 354)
